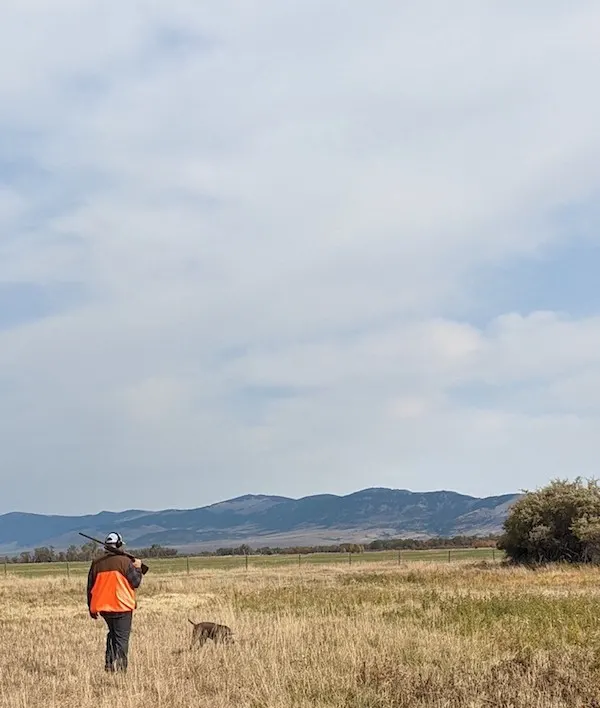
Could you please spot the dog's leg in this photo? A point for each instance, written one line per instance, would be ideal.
(197, 637)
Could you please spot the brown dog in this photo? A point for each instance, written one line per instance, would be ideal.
(210, 630)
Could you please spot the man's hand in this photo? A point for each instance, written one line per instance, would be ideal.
(137, 563)
(94, 615)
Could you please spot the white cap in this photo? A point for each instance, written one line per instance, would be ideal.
(114, 539)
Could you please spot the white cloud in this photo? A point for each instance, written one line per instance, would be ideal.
(158, 402)
(275, 211)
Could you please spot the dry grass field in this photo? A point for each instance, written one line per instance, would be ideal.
(465, 634)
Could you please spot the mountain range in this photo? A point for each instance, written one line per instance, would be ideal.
(262, 520)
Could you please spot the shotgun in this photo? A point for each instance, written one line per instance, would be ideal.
(116, 551)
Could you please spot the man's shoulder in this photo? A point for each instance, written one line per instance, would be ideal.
(111, 561)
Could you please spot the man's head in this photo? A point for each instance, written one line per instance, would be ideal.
(114, 539)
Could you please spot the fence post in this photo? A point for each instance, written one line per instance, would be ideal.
(449, 556)
(399, 557)
(493, 554)
(349, 558)
(299, 560)
(187, 564)
(5, 568)
(246, 561)
(68, 570)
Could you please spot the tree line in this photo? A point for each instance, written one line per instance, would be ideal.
(88, 551)
(393, 544)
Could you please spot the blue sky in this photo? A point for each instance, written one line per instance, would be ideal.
(281, 248)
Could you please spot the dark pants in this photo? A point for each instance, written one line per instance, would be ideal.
(117, 640)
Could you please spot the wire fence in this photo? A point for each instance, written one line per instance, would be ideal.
(185, 565)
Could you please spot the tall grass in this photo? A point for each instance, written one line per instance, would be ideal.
(427, 634)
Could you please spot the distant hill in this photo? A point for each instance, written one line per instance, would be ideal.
(271, 520)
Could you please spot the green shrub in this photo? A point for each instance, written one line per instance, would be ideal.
(560, 522)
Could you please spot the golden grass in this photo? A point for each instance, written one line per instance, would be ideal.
(437, 635)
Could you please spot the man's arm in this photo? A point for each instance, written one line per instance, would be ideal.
(90, 585)
(134, 574)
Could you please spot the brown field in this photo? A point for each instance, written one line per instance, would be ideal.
(426, 634)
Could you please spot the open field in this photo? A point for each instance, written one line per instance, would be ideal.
(180, 564)
(442, 635)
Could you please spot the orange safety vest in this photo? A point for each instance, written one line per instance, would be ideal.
(110, 589)
(112, 593)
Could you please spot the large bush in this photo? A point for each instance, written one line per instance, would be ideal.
(560, 522)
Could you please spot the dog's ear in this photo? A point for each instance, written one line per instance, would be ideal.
(192, 623)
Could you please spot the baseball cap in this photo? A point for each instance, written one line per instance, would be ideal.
(114, 539)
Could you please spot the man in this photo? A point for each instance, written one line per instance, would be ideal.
(112, 582)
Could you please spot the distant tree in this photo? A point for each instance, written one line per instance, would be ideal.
(243, 550)
(88, 551)
(155, 551)
(43, 555)
(351, 548)
(559, 522)
(72, 553)
(224, 551)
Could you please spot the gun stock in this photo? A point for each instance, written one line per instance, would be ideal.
(115, 551)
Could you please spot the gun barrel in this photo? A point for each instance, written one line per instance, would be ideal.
(116, 551)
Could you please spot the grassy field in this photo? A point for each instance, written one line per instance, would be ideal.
(180, 565)
(469, 634)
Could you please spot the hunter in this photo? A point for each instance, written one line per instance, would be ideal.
(112, 582)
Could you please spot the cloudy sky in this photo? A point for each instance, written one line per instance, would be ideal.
(296, 247)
